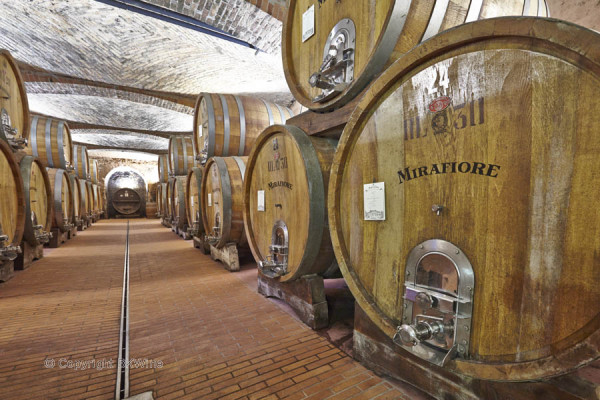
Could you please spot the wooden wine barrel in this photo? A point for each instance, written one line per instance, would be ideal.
(97, 201)
(228, 125)
(127, 202)
(178, 195)
(12, 203)
(222, 199)
(151, 210)
(160, 200)
(101, 200)
(86, 207)
(192, 200)
(181, 155)
(94, 171)
(62, 199)
(289, 171)
(92, 200)
(50, 141)
(14, 108)
(496, 162)
(168, 199)
(77, 200)
(163, 168)
(378, 32)
(38, 201)
(81, 162)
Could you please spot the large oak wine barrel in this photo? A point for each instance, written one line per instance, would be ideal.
(12, 204)
(50, 141)
(222, 200)
(161, 195)
(81, 162)
(163, 168)
(38, 201)
(228, 125)
(86, 206)
(92, 206)
(77, 201)
(192, 201)
(178, 195)
(14, 108)
(97, 200)
(483, 146)
(62, 199)
(359, 38)
(181, 155)
(94, 171)
(127, 202)
(285, 210)
(168, 203)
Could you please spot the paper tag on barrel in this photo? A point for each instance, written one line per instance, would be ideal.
(308, 23)
(374, 201)
(261, 200)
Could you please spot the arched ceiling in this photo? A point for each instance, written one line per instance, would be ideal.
(126, 80)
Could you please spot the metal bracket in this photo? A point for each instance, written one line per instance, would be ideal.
(194, 230)
(41, 235)
(337, 70)
(10, 134)
(7, 252)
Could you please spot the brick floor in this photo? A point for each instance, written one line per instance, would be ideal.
(196, 330)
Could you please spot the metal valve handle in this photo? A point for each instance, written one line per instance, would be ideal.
(412, 335)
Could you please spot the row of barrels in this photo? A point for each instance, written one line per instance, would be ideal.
(463, 175)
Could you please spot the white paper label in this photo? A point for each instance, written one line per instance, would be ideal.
(374, 199)
(308, 23)
(210, 199)
(261, 200)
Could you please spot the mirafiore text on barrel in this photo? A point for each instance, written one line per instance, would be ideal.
(464, 167)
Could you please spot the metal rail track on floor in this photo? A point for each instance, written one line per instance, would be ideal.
(122, 386)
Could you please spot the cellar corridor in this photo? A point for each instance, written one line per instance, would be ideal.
(196, 330)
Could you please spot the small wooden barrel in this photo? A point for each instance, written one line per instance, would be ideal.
(127, 202)
(12, 203)
(94, 171)
(163, 168)
(181, 155)
(228, 125)
(62, 199)
(365, 36)
(178, 195)
(85, 205)
(81, 162)
(38, 201)
(192, 200)
(151, 210)
(77, 200)
(14, 108)
(493, 167)
(285, 210)
(50, 141)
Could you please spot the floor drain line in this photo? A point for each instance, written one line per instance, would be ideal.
(122, 387)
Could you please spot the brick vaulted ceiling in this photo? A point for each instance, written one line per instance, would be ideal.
(125, 80)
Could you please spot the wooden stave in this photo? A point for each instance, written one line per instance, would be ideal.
(163, 168)
(178, 195)
(47, 141)
(25, 166)
(545, 35)
(318, 257)
(181, 155)
(23, 126)
(195, 174)
(81, 162)
(16, 235)
(390, 45)
(230, 177)
(58, 200)
(223, 121)
(119, 210)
